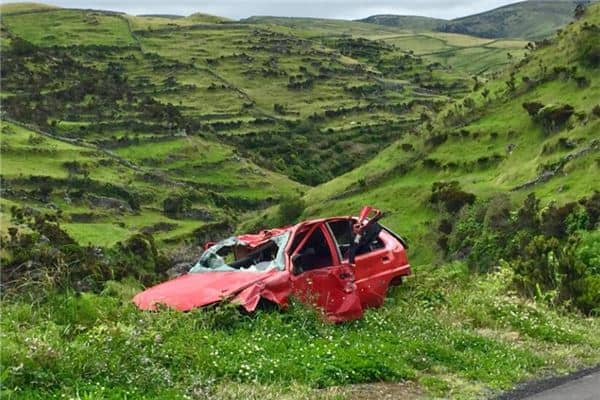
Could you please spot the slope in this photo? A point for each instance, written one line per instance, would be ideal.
(489, 143)
(244, 85)
(408, 22)
(106, 196)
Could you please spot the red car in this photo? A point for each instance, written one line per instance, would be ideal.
(341, 265)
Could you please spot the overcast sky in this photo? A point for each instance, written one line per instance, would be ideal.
(343, 9)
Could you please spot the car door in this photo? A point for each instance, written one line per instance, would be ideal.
(373, 263)
(374, 271)
(318, 277)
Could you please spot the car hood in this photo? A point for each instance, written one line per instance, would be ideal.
(199, 289)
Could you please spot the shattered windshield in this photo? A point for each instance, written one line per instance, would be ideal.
(233, 254)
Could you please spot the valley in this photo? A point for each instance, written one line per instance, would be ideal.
(127, 142)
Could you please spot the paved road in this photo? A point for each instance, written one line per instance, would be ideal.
(584, 388)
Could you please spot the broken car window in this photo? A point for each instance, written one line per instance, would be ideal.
(233, 254)
(370, 240)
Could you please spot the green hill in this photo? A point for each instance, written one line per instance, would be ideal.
(408, 22)
(303, 100)
(531, 20)
(127, 142)
(489, 143)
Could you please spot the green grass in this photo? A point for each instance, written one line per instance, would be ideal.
(97, 234)
(69, 27)
(10, 8)
(26, 156)
(453, 333)
(500, 123)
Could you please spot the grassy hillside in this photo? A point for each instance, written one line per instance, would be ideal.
(233, 82)
(506, 147)
(531, 19)
(408, 22)
(122, 152)
(218, 113)
(106, 196)
(459, 56)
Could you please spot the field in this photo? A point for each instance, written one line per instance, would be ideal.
(470, 335)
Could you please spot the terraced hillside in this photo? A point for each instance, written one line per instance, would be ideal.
(108, 195)
(492, 142)
(235, 117)
(128, 141)
(454, 57)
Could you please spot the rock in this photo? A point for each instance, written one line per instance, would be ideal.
(109, 202)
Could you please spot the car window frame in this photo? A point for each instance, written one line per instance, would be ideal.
(334, 240)
(330, 244)
(377, 252)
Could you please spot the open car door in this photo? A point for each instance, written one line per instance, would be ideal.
(318, 277)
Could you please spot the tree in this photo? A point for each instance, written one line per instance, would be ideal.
(485, 93)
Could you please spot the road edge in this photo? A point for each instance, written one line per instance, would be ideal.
(530, 388)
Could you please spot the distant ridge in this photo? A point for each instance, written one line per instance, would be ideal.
(532, 19)
(412, 22)
(171, 16)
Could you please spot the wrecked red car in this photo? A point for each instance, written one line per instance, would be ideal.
(342, 265)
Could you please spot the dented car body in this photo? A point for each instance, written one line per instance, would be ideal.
(342, 265)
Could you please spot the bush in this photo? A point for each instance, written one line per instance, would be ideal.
(48, 259)
(554, 116)
(290, 209)
(554, 219)
(567, 269)
(175, 205)
(553, 256)
(450, 196)
(497, 215)
(533, 107)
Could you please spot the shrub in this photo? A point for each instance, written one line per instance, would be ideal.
(568, 269)
(47, 258)
(537, 270)
(497, 215)
(533, 107)
(554, 219)
(588, 47)
(554, 116)
(290, 209)
(450, 196)
(175, 205)
(528, 214)
(436, 140)
(592, 208)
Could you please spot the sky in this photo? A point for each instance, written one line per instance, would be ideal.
(342, 9)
